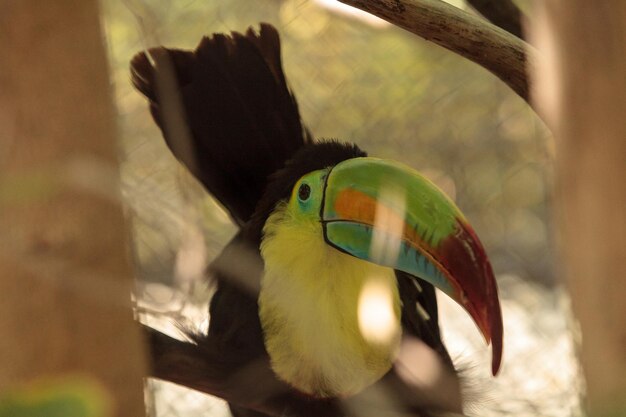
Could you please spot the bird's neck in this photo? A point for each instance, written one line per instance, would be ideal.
(310, 304)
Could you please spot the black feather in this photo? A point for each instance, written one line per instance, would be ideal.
(242, 121)
(412, 322)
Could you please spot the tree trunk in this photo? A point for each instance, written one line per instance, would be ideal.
(64, 278)
(582, 87)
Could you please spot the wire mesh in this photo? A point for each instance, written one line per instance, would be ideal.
(360, 79)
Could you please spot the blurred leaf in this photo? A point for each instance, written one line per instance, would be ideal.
(66, 396)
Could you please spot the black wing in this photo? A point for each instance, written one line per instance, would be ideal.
(417, 294)
(225, 111)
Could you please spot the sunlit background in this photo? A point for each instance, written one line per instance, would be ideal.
(360, 79)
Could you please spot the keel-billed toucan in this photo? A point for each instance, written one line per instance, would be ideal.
(337, 254)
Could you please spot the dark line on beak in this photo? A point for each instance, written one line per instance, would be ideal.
(321, 214)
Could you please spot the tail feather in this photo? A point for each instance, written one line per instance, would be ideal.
(242, 121)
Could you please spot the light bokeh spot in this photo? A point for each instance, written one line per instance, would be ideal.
(377, 320)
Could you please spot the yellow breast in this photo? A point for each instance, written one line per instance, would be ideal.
(331, 322)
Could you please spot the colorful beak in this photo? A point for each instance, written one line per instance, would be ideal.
(385, 212)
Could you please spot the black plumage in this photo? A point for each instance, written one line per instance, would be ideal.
(248, 147)
(242, 120)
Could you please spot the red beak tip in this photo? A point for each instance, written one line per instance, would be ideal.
(495, 367)
(496, 361)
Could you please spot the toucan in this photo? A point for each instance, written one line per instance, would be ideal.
(337, 254)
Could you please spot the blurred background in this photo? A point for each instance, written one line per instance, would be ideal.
(360, 79)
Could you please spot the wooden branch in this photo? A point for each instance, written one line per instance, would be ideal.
(502, 13)
(223, 373)
(491, 47)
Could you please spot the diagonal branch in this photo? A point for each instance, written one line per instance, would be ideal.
(502, 13)
(503, 54)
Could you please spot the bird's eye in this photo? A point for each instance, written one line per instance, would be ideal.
(304, 192)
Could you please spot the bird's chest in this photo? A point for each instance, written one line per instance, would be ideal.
(315, 324)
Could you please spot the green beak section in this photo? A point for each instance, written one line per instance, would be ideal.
(387, 213)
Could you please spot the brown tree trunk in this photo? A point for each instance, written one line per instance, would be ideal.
(582, 87)
(64, 278)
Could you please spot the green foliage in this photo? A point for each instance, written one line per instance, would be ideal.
(59, 397)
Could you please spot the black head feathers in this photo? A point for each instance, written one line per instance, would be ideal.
(311, 157)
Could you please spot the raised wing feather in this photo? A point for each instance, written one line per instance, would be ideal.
(225, 111)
